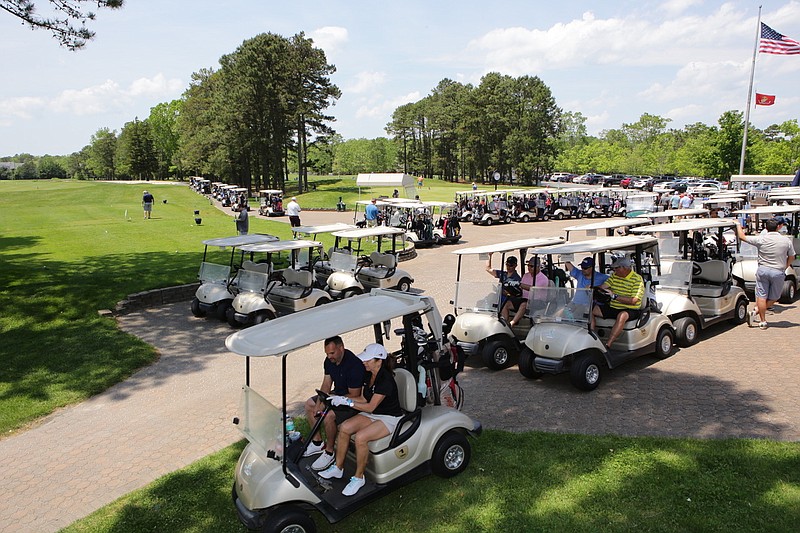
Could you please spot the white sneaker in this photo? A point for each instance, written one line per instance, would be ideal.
(323, 461)
(314, 449)
(333, 471)
(354, 486)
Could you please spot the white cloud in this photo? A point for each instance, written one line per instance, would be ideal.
(366, 81)
(674, 7)
(330, 39)
(158, 85)
(22, 107)
(376, 108)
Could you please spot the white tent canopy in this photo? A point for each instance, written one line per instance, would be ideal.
(407, 182)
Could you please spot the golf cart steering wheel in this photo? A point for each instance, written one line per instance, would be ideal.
(277, 276)
(601, 296)
(323, 397)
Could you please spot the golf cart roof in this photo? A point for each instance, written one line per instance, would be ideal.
(239, 240)
(408, 204)
(609, 224)
(602, 244)
(502, 247)
(768, 210)
(323, 228)
(436, 203)
(675, 213)
(292, 332)
(368, 232)
(270, 191)
(281, 246)
(727, 199)
(694, 224)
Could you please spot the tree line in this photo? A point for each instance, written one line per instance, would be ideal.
(261, 117)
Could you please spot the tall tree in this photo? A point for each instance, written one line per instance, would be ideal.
(102, 154)
(67, 22)
(163, 128)
(136, 156)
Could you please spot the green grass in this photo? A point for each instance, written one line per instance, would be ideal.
(523, 482)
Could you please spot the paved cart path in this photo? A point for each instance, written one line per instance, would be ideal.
(737, 382)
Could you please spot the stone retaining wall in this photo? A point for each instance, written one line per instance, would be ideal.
(156, 297)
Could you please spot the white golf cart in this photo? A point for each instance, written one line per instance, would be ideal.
(274, 487)
(565, 203)
(605, 228)
(216, 292)
(270, 203)
(447, 227)
(265, 292)
(322, 269)
(479, 328)
(695, 286)
(529, 204)
(491, 207)
(640, 203)
(353, 273)
(466, 201)
(744, 270)
(560, 338)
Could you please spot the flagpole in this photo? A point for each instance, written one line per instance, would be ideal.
(750, 94)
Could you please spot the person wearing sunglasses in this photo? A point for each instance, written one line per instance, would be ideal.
(626, 290)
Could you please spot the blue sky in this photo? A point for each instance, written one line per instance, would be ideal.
(687, 60)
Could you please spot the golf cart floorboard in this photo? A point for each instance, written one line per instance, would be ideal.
(335, 506)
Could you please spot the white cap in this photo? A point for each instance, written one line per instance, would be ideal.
(294, 197)
(373, 351)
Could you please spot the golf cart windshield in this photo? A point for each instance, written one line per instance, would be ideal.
(260, 422)
(747, 251)
(676, 276)
(342, 261)
(560, 304)
(477, 296)
(213, 273)
(251, 281)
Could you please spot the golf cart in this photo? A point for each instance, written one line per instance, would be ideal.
(639, 204)
(560, 338)
(479, 328)
(270, 203)
(416, 219)
(466, 201)
(565, 203)
(216, 291)
(744, 270)
(605, 228)
(265, 292)
(491, 207)
(447, 228)
(274, 486)
(695, 287)
(353, 273)
(322, 269)
(596, 203)
(529, 205)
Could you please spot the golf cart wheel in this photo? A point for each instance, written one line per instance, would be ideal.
(196, 311)
(497, 355)
(526, 218)
(559, 216)
(489, 221)
(545, 218)
(289, 519)
(585, 372)
(664, 341)
(789, 292)
(451, 455)
(262, 316)
(526, 366)
(221, 310)
(686, 331)
(404, 285)
(592, 214)
(740, 313)
(352, 291)
(230, 316)
(322, 301)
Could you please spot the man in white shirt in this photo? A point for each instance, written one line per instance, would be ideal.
(293, 210)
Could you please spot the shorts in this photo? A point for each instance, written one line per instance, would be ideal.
(612, 312)
(769, 283)
(388, 420)
(343, 413)
(148, 206)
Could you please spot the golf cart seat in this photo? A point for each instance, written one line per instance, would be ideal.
(296, 284)
(711, 278)
(381, 265)
(644, 308)
(252, 266)
(407, 391)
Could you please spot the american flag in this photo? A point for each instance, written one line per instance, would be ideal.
(773, 42)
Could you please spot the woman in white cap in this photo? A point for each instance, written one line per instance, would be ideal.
(378, 414)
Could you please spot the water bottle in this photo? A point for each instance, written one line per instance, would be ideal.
(289, 424)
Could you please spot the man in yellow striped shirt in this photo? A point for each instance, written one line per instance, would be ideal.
(626, 289)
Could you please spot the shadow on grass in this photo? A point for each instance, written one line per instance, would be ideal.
(523, 482)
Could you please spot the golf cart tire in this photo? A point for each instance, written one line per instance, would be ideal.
(489, 221)
(686, 331)
(559, 216)
(230, 316)
(496, 355)
(404, 285)
(525, 218)
(196, 311)
(351, 291)
(221, 309)
(789, 292)
(592, 214)
(586, 371)
(451, 454)
(288, 519)
(664, 341)
(545, 218)
(526, 364)
(262, 316)
(740, 312)
(322, 301)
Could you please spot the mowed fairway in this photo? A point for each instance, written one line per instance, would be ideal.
(67, 249)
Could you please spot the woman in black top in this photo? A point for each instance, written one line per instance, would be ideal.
(378, 413)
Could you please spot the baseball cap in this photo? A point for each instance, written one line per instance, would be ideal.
(621, 262)
(373, 351)
(587, 262)
(782, 220)
(294, 197)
